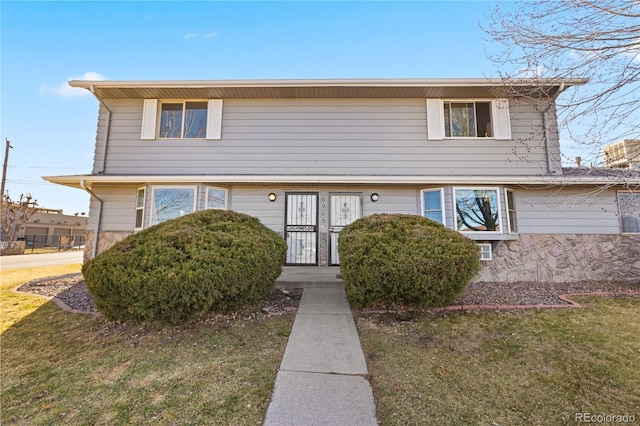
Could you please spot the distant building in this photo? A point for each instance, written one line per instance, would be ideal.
(50, 227)
(623, 154)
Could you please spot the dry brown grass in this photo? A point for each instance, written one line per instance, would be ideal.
(62, 368)
(506, 368)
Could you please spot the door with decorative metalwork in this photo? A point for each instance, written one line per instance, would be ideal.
(301, 228)
(344, 208)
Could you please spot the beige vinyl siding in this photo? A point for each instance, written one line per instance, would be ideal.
(567, 211)
(255, 202)
(118, 208)
(548, 211)
(392, 200)
(98, 154)
(323, 137)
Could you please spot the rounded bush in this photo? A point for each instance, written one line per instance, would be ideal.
(212, 260)
(404, 259)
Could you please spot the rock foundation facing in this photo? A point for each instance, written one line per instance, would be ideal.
(564, 259)
(555, 258)
(105, 240)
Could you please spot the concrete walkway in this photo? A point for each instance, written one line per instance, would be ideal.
(322, 377)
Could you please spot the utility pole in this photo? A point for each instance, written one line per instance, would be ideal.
(4, 167)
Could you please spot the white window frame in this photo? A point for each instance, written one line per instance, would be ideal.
(498, 206)
(637, 194)
(184, 103)
(140, 209)
(511, 210)
(151, 117)
(206, 197)
(499, 111)
(442, 207)
(486, 251)
(489, 102)
(152, 218)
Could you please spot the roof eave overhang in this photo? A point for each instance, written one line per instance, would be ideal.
(324, 88)
(78, 181)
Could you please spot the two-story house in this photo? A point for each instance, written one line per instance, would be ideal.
(308, 157)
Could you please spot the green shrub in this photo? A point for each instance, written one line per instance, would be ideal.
(212, 260)
(405, 259)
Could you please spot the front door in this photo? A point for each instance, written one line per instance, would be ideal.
(344, 208)
(301, 228)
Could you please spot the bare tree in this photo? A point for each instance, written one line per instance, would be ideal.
(16, 213)
(599, 40)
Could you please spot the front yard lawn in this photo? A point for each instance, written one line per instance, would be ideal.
(62, 368)
(542, 367)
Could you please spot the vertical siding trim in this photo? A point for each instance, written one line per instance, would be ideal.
(214, 119)
(435, 120)
(149, 117)
(501, 119)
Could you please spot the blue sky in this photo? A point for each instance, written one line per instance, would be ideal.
(44, 44)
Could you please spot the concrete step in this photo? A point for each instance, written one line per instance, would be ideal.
(309, 277)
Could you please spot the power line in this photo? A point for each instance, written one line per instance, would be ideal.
(47, 167)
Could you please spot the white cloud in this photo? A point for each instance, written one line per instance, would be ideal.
(65, 91)
(189, 36)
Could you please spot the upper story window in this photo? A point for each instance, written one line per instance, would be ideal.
(477, 209)
(629, 205)
(467, 119)
(183, 120)
(450, 119)
(433, 205)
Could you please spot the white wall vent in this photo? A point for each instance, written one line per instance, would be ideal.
(485, 251)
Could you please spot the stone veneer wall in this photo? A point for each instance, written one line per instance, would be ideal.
(564, 258)
(105, 240)
(532, 258)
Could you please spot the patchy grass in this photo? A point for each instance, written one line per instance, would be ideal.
(61, 368)
(503, 368)
(15, 306)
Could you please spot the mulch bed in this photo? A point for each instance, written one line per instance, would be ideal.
(72, 291)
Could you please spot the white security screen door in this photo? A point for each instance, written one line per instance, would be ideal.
(344, 208)
(301, 230)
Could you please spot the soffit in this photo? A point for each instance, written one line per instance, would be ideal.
(301, 89)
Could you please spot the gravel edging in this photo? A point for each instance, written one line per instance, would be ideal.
(68, 291)
(533, 293)
(71, 294)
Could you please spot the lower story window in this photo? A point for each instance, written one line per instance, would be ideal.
(477, 209)
(216, 198)
(629, 205)
(140, 195)
(511, 211)
(432, 205)
(172, 202)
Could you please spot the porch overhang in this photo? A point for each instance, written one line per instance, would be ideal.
(78, 181)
